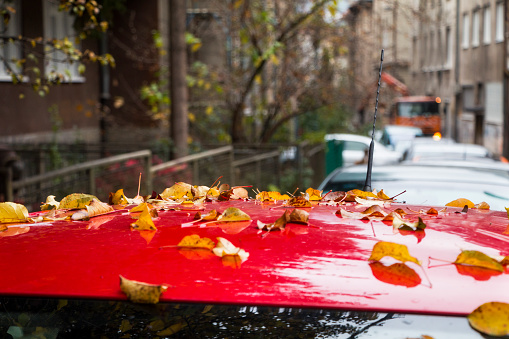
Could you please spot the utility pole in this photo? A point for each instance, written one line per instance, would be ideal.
(178, 72)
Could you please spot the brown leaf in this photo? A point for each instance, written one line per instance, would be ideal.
(139, 292)
(299, 216)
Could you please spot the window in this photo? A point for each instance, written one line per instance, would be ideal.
(487, 26)
(475, 28)
(466, 31)
(499, 28)
(448, 47)
(58, 25)
(10, 50)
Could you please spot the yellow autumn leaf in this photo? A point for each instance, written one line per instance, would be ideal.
(382, 195)
(482, 206)
(233, 214)
(396, 251)
(299, 202)
(362, 194)
(97, 208)
(139, 292)
(225, 248)
(194, 241)
(277, 225)
(180, 190)
(144, 222)
(299, 216)
(50, 203)
(271, 196)
(478, 259)
(406, 225)
(11, 212)
(76, 201)
(118, 198)
(314, 195)
(491, 318)
(461, 202)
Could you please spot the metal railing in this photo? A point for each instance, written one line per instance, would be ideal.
(102, 176)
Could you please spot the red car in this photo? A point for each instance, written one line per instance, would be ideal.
(320, 277)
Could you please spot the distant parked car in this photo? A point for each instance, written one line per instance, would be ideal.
(399, 138)
(427, 185)
(355, 149)
(446, 151)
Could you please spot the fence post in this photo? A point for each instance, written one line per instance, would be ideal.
(232, 168)
(91, 180)
(148, 164)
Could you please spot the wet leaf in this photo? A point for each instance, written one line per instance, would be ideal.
(76, 201)
(212, 215)
(277, 225)
(118, 198)
(139, 292)
(395, 274)
(226, 248)
(271, 196)
(478, 259)
(299, 216)
(299, 202)
(194, 241)
(482, 206)
(313, 195)
(461, 202)
(370, 202)
(382, 195)
(137, 210)
(362, 194)
(239, 193)
(180, 190)
(406, 225)
(144, 222)
(233, 214)
(491, 318)
(396, 251)
(334, 196)
(11, 212)
(93, 209)
(50, 203)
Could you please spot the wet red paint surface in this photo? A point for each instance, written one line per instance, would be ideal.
(324, 264)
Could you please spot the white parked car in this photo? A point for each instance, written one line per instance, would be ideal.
(356, 147)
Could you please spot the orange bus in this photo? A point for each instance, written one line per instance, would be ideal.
(417, 111)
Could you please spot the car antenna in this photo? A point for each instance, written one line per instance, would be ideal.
(367, 184)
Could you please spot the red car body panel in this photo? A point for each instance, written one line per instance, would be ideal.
(323, 264)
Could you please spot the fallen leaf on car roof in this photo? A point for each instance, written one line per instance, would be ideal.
(271, 196)
(406, 225)
(461, 202)
(225, 248)
(194, 241)
(299, 216)
(144, 221)
(482, 206)
(76, 201)
(277, 225)
(118, 198)
(94, 208)
(394, 250)
(50, 203)
(139, 292)
(233, 214)
(299, 202)
(313, 194)
(491, 318)
(478, 259)
(11, 212)
(179, 190)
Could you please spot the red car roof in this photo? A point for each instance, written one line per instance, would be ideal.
(323, 264)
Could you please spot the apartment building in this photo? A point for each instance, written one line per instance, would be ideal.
(452, 49)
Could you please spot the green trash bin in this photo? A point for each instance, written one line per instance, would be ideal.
(333, 155)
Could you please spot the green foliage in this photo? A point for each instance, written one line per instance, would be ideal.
(89, 19)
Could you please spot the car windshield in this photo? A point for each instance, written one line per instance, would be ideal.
(429, 185)
(67, 318)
